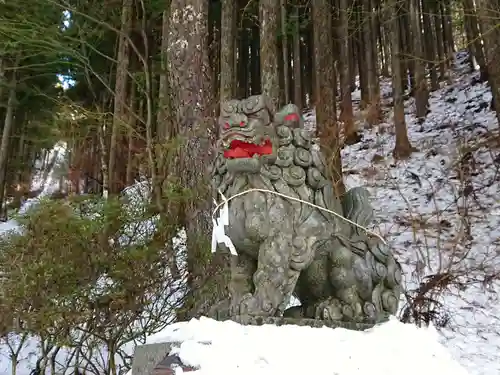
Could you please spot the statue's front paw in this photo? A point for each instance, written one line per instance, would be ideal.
(254, 306)
(329, 310)
(334, 309)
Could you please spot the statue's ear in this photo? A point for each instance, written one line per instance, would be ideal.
(227, 109)
(289, 116)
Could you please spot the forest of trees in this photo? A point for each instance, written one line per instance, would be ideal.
(133, 89)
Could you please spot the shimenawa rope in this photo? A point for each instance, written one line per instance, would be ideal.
(218, 224)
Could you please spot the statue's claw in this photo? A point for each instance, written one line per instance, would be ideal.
(251, 305)
(333, 309)
(330, 309)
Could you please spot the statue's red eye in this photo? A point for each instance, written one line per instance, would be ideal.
(242, 123)
(226, 125)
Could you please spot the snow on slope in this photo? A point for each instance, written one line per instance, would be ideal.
(392, 348)
(422, 213)
(49, 186)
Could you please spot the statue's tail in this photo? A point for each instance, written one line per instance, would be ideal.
(357, 208)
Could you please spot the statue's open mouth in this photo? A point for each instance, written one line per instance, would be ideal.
(239, 149)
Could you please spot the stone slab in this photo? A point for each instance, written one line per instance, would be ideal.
(147, 357)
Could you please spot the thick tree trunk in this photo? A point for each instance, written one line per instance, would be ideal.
(119, 117)
(492, 48)
(297, 61)
(402, 148)
(284, 43)
(191, 84)
(374, 115)
(430, 44)
(421, 91)
(346, 115)
(132, 163)
(228, 36)
(269, 28)
(474, 38)
(438, 26)
(7, 128)
(326, 114)
(164, 117)
(255, 86)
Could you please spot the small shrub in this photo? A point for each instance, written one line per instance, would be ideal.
(85, 268)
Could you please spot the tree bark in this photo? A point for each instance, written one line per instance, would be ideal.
(491, 37)
(164, 118)
(402, 148)
(7, 128)
(472, 31)
(346, 116)
(297, 61)
(193, 101)
(284, 49)
(228, 37)
(119, 117)
(421, 90)
(374, 111)
(268, 18)
(326, 114)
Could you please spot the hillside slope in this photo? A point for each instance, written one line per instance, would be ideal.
(440, 209)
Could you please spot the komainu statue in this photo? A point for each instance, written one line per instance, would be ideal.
(286, 244)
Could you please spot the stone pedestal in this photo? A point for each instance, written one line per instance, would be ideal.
(314, 323)
(155, 359)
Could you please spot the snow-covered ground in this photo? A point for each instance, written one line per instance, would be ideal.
(392, 348)
(440, 210)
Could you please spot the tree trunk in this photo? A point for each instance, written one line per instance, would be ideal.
(119, 118)
(191, 85)
(284, 43)
(430, 44)
(307, 57)
(228, 37)
(164, 118)
(2, 76)
(448, 28)
(491, 37)
(402, 148)
(361, 58)
(374, 114)
(421, 91)
(472, 31)
(297, 61)
(346, 116)
(131, 161)
(326, 114)
(268, 18)
(438, 26)
(7, 128)
(243, 61)
(255, 75)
